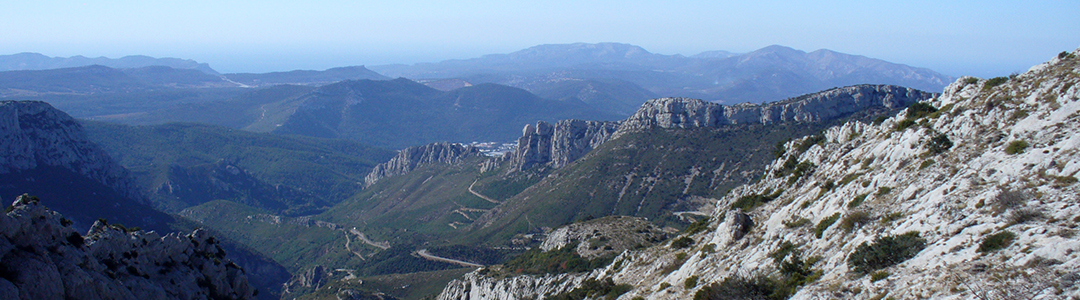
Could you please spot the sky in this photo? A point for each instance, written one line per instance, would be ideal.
(978, 38)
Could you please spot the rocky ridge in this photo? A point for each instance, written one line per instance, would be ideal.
(414, 157)
(691, 113)
(986, 185)
(33, 133)
(43, 257)
(557, 145)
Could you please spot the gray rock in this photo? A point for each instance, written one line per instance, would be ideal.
(833, 103)
(414, 157)
(47, 259)
(558, 145)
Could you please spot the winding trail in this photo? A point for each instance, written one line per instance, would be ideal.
(347, 242)
(363, 238)
(423, 253)
(481, 196)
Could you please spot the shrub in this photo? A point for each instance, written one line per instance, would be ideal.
(855, 219)
(889, 218)
(810, 141)
(996, 241)
(939, 144)
(879, 120)
(904, 124)
(824, 224)
(828, 185)
(971, 80)
(1008, 199)
(926, 164)
(879, 275)
(857, 201)
(800, 222)
(919, 110)
(882, 191)
(749, 202)
(698, 226)
(682, 242)
(690, 282)
(992, 82)
(800, 170)
(595, 289)
(782, 252)
(739, 286)
(849, 178)
(885, 251)
(1062, 181)
(562, 260)
(75, 239)
(1016, 147)
(1022, 216)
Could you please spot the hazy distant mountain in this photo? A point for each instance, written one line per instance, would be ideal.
(306, 77)
(37, 61)
(400, 113)
(770, 74)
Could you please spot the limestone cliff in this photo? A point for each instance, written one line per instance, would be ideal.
(43, 257)
(559, 144)
(33, 134)
(417, 156)
(829, 104)
(941, 201)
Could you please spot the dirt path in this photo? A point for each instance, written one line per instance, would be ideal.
(481, 196)
(424, 254)
(363, 238)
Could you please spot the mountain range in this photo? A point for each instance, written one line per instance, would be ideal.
(769, 74)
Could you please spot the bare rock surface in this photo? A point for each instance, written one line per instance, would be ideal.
(43, 257)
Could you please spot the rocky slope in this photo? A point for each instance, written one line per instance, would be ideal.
(45, 258)
(413, 157)
(932, 203)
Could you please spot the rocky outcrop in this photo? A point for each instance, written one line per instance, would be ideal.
(829, 104)
(415, 157)
(476, 286)
(605, 236)
(559, 144)
(33, 134)
(43, 257)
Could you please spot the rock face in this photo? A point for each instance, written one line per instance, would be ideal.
(691, 113)
(43, 257)
(930, 204)
(414, 157)
(475, 286)
(558, 145)
(33, 134)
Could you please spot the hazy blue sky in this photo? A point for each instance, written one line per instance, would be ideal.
(982, 38)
